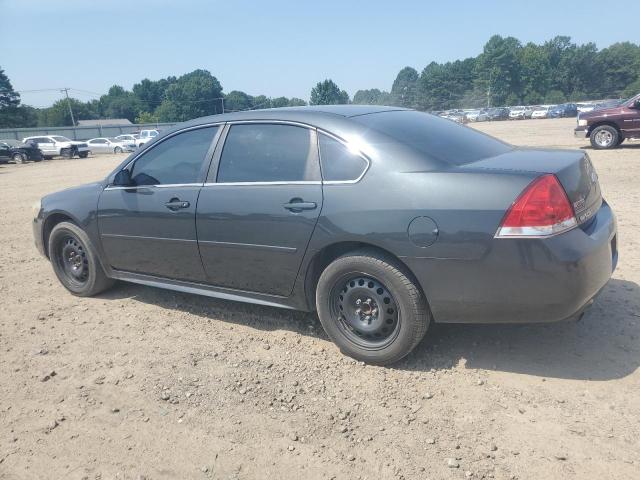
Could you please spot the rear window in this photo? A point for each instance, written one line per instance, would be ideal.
(438, 138)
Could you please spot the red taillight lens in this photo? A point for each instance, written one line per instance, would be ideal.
(542, 209)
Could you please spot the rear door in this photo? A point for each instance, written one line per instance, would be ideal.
(149, 228)
(259, 207)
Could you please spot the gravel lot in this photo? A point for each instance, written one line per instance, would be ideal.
(145, 383)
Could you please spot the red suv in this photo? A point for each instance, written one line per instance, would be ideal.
(608, 127)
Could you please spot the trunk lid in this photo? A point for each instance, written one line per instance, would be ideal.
(572, 167)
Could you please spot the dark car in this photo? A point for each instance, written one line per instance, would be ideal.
(499, 113)
(381, 219)
(609, 127)
(19, 152)
(564, 110)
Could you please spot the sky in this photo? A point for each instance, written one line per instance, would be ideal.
(277, 47)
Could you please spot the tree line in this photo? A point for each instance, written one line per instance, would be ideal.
(505, 73)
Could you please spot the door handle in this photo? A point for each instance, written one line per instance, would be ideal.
(298, 205)
(176, 204)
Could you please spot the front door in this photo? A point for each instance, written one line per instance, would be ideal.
(149, 228)
(259, 208)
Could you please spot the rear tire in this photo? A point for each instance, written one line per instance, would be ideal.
(117, 150)
(75, 261)
(371, 308)
(83, 154)
(604, 137)
(19, 158)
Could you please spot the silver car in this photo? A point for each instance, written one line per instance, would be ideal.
(110, 145)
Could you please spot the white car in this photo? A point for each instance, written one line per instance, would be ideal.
(146, 136)
(52, 145)
(517, 113)
(540, 112)
(110, 145)
(586, 107)
(128, 137)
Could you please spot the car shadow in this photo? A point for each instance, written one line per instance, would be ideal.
(603, 345)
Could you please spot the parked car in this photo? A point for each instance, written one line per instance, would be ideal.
(517, 113)
(52, 145)
(499, 113)
(146, 136)
(19, 152)
(528, 111)
(462, 228)
(563, 110)
(472, 115)
(585, 107)
(110, 145)
(609, 127)
(128, 137)
(540, 112)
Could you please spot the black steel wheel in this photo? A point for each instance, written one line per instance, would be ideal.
(365, 310)
(75, 262)
(371, 307)
(71, 257)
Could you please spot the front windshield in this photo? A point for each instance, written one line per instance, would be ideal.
(61, 139)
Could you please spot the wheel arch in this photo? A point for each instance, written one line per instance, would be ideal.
(606, 122)
(50, 222)
(330, 252)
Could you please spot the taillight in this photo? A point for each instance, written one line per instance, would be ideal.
(543, 209)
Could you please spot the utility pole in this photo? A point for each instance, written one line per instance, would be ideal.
(222, 99)
(66, 92)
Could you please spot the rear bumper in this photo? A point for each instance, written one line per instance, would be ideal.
(523, 280)
(580, 132)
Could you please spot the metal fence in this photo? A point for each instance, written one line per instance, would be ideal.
(80, 133)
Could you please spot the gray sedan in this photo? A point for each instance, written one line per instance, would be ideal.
(383, 220)
(110, 145)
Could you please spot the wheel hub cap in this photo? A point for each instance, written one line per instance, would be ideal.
(366, 311)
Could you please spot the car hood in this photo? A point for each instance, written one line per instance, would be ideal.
(602, 112)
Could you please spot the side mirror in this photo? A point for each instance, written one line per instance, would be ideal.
(123, 179)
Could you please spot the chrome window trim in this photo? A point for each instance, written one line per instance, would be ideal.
(168, 185)
(267, 122)
(242, 184)
(344, 144)
(173, 134)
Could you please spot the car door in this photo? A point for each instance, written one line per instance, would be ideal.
(47, 145)
(259, 207)
(149, 227)
(5, 152)
(97, 145)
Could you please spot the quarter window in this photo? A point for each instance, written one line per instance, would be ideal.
(176, 160)
(338, 163)
(268, 153)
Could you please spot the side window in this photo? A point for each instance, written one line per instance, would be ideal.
(174, 161)
(338, 163)
(268, 153)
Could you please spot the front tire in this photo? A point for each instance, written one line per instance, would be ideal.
(117, 150)
(83, 154)
(75, 261)
(19, 158)
(604, 137)
(371, 308)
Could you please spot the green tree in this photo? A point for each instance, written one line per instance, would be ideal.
(146, 117)
(150, 93)
(237, 100)
(12, 114)
(194, 94)
(119, 103)
(58, 114)
(620, 67)
(443, 86)
(555, 96)
(372, 97)
(296, 102)
(632, 89)
(405, 88)
(498, 69)
(328, 93)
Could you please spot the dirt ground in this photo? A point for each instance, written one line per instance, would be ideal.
(146, 383)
